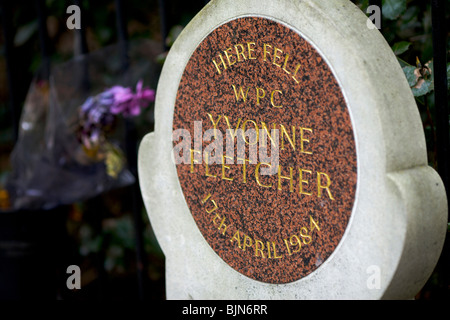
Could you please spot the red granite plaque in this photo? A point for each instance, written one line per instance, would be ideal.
(272, 218)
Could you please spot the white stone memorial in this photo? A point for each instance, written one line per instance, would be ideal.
(351, 209)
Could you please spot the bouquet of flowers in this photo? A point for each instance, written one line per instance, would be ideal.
(98, 117)
(71, 131)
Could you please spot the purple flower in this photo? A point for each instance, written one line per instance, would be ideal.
(86, 106)
(128, 103)
(145, 95)
(98, 113)
(122, 97)
(106, 98)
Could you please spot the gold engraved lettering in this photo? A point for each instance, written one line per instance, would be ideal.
(206, 198)
(276, 56)
(213, 209)
(213, 202)
(192, 158)
(233, 134)
(240, 54)
(265, 52)
(244, 169)
(222, 226)
(285, 64)
(229, 57)
(222, 62)
(284, 133)
(294, 240)
(290, 178)
(240, 93)
(250, 49)
(237, 237)
(304, 234)
(264, 127)
(214, 123)
(260, 93)
(313, 224)
(295, 73)
(326, 186)
(259, 248)
(300, 175)
(257, 174)
(207, 168)
(225, 167)
(217, 216)
(272, 100)
(237, 53)
(294, 243)
(275, 252)
(256, 129)
(287, 247)
(248, 242)
(302, 140)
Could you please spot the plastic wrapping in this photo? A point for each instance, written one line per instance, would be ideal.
(51, 164)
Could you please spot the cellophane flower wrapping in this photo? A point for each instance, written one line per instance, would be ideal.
(65, 154)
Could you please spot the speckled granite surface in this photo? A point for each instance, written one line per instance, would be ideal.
(267, 234)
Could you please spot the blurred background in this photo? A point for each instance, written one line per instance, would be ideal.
(57, 210)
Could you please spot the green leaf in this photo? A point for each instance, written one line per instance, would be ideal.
(430, 73)
(401, 47)
(173, 35)
(25, 32)
(392, 9)
(410, 75)
(422, 87)
(420, 80)
(448, 75)
(363, 4)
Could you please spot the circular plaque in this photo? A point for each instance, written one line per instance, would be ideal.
(273, 209)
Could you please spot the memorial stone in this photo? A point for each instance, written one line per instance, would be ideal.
(288, 159)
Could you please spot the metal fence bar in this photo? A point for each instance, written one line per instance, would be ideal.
(8, 35)
(439, 29)
(131, 138)
(163, 23)
(440, 88)
(81, 48)
(81, 33)
(122, 33)
(44, 41)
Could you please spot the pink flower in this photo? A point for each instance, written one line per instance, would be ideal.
(99, 112)
(145, 95)
(128, 103)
